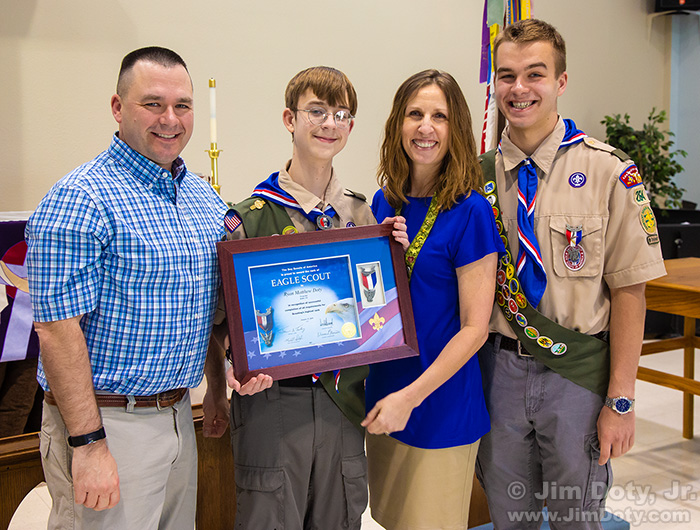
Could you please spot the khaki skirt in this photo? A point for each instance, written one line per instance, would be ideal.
(419, 489)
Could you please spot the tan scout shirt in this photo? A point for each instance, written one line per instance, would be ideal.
(618, 251)
(348, 208)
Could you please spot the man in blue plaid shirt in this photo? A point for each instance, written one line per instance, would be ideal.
(123, 279)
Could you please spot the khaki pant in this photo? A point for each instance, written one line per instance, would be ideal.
(156, 457)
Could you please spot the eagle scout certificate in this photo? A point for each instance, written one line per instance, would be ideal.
(299, 304)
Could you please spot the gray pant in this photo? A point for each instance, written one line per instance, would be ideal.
(300, 463)
(543, 444)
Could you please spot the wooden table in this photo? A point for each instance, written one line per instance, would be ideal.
(677, 293)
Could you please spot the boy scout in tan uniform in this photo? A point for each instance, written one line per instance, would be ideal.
(549, 372)
(298, 445)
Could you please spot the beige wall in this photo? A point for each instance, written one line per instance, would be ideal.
(60, 60)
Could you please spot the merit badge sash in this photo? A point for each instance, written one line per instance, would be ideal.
(581, 358)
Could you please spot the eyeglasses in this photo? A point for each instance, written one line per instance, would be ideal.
(318, 116)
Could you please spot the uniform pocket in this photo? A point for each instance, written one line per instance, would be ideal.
(260, 498)
(354, 472)
(599, 477)
(567, 265)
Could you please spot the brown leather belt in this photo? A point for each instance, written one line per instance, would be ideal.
(160, 401)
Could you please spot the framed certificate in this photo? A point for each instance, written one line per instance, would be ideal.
(306, 303)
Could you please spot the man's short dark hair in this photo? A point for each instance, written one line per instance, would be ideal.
(153, 54)
(531, 30)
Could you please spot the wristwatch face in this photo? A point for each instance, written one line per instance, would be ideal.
(622, 405)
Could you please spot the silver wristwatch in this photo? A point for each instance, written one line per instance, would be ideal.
(620, 404)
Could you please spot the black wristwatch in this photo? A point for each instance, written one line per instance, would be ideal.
(621, 404)
(89, 438)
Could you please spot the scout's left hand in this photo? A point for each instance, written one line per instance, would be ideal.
(615, 434)
(388, 415)
(399, 232)
(215, 409)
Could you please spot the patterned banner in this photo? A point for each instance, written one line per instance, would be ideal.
(18, 340)
(496, 14)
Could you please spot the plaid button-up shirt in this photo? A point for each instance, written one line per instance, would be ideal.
(131, 247)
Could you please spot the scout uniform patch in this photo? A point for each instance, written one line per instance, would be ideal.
(232, 221)
(630, 177)
(646, 217)
(577, 180)
(640, 196)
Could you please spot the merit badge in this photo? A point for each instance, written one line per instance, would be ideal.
(630, 177)
(646, 217)
(514, 285)
(531, 332)
(520, 319)
(559, 348)
(521, 300)
(574, 256)
(491, 198)
(350, 224)
(500, 300)
(545, 342)
(512, 306)
(510, 271)
(490, 186)
(508, 314)
(323, 222)
(505, 240)
(576, 180)
(640, 196)
(257, 205)
(653, 239)
(501, 277)
(506, 258)
(505, 292)
(289, 230)
(499, 226)
(495, 211)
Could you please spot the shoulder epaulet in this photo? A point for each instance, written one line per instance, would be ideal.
(602, 146)
(251, 203)
(355, 194)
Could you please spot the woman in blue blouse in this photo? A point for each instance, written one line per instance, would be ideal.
(432, 406)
